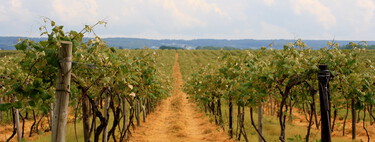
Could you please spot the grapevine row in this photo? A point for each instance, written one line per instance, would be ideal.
(105, 83)
(281, 80)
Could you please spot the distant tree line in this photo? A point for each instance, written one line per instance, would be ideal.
(169, 47)
(351, 45)
(215, 48)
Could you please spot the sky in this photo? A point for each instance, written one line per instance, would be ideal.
(197, 19)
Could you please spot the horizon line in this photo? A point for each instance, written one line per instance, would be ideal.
(198, 38)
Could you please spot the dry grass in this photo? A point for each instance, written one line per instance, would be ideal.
(271, 128)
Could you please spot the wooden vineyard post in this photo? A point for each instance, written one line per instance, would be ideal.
(17, 122)
(354, 119)
(323, 77)
(260, 122)
(60, 110)
(230, 117)
(144, 109)
(18, 126)
(51, 116)
(124, 115)
(138, 112)
(106, 116)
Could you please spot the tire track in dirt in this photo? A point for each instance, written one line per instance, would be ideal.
(178, 120)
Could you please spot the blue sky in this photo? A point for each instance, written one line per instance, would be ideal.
(194, 19)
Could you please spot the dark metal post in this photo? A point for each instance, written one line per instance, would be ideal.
(323, 77)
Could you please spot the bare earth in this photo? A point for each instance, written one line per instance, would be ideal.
(178, 120)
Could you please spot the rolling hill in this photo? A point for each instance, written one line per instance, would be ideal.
(7, 43)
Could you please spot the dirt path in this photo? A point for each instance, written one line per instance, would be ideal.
(177, 119)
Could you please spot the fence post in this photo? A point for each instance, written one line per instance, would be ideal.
(17, 121)
(260, 122)
(323, 77)
(60, 110)
(138, 112)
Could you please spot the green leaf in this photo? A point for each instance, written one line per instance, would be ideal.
(21, 46)
(113, 49)
(17, 104)
(32, 103)
(5, 106)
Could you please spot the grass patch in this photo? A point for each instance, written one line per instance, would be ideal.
(271, 128)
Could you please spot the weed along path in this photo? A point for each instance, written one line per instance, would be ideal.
(178, 120)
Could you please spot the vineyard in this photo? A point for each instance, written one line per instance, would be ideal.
(282, 85)
(93, 92)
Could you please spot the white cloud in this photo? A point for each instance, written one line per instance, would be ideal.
(270, 31)
(313, 19)
(167, 16)
(14, 10)
(369, 7)
(269, 2)
(356, 18)
(205, 6)
(368, 4)
(191, 13)
(74, 12)
(320, 12)
(2, 13)
(16, 3)
(183, 18)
